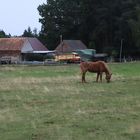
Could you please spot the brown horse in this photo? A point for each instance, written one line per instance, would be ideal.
(96, 67)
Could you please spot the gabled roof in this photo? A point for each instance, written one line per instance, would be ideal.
(11, 43)
(37, 45)
(19, 44)
(70, 45)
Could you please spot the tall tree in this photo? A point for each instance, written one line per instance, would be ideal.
(3, 34)
(59, 17)
(103, 23)
(28, 33)
(135, 28)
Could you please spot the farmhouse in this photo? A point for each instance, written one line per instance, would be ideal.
(13, 50)
(69, 46)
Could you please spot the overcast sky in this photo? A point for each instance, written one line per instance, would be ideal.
(18, 15)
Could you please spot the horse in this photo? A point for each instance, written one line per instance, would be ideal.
(96, 67)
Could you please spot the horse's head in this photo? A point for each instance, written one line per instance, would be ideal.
(108, 77)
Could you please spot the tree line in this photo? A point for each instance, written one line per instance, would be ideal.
(100, 24)
(103, 25)
(26, 33)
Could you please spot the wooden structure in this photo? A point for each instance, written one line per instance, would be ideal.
(14, 50)
(69, 46)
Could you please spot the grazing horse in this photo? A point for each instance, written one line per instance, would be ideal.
(96, 67)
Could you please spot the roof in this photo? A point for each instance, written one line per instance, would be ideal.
(36, 44)
(43, 52)
(70, 45)
(11, 43)
(86, 54)
(21, 44)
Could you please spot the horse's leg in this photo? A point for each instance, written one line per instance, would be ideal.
(101, 76)
(97, 77)
(83, 77)
(83, 73)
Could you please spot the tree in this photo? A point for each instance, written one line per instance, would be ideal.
(35, 34)
(28, 33)
(59, 17)
(3, 34)
(104, 22)
(135, 27)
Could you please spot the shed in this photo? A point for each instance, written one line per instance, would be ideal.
(14, 49)
(86, 54)
(69, 46)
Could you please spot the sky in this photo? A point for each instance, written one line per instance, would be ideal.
(18, 15)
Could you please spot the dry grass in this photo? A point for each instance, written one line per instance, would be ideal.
(50, 102)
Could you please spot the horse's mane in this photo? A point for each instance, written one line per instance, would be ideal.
(107, 69)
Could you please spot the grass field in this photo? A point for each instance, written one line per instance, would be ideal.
(50, 103)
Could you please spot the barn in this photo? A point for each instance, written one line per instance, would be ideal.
(13, 50)
(69, 46)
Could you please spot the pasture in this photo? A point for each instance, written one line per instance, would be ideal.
(51, 103)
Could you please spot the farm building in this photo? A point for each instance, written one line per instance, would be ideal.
(69, 46)
(15, 50)
(91, 55)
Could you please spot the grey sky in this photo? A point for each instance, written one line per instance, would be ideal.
(18, 15)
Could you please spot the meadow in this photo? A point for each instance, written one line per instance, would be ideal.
(51, 103)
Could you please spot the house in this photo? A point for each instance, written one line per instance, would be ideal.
(15, 50)
(69, 46)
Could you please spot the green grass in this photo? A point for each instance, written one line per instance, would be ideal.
(51, 103)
